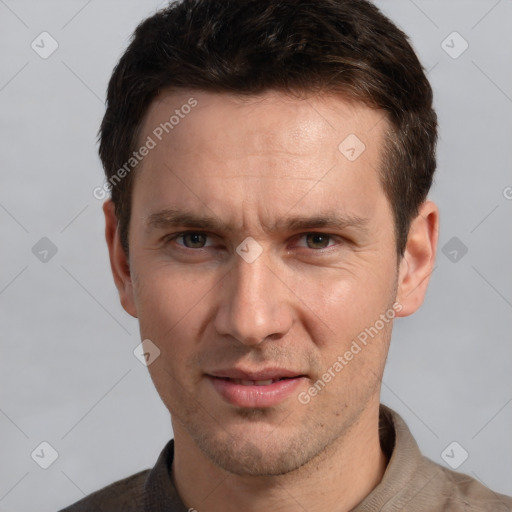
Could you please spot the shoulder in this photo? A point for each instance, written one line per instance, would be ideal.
(125, 495)
(413, 482)
(461, 492)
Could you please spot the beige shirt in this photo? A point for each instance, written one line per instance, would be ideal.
(411, 483)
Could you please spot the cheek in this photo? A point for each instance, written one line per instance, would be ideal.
(343, 302)
(171, 305)
(351, 339)
(170, 308)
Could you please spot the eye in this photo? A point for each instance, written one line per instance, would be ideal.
(192, 239)
(317, 240)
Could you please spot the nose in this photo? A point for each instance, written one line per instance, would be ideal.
(254, 303)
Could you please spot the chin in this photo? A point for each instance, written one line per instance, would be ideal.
(260, 451)
(250, 459)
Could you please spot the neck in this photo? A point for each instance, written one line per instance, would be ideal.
(338, 479)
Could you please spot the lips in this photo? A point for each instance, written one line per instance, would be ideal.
(255, 389)
(266, 374)
(245, 382)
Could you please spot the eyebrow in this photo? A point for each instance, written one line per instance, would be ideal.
(169, 218)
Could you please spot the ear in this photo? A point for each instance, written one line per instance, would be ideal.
(118, 261)
(417, 263)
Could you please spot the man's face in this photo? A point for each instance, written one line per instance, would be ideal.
(321, 268)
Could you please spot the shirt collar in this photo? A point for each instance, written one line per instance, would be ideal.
(406, 473)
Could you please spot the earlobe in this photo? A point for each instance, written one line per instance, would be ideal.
(118, 260)
(419, 257)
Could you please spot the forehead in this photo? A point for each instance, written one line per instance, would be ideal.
(273, 146)
(272, 120)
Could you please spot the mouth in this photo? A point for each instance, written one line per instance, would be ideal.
(266, 382)
(261, 389)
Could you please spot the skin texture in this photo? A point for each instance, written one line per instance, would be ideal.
(248, 164)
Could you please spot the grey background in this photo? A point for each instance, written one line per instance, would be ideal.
(67, 369)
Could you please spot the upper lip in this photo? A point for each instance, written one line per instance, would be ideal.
(265, 374)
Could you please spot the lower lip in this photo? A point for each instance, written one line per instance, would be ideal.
(255, 396)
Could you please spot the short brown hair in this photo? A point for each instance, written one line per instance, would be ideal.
(247, 47)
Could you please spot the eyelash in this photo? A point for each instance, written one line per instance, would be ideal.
(173, 238)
